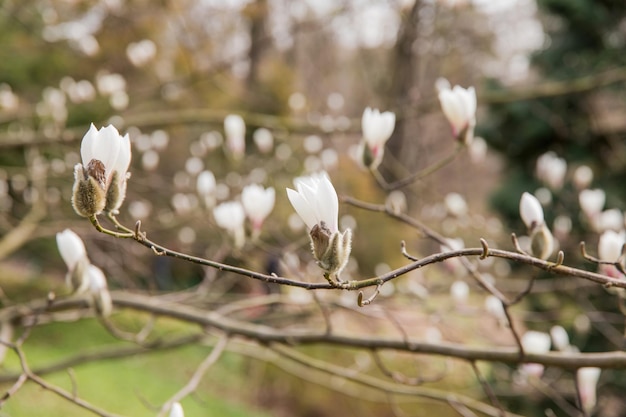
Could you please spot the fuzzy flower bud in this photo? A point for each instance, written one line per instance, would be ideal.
(592, 202)
(551, 170)
(315, 200)
(377, 129)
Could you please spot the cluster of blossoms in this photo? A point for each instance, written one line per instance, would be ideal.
(536, 342)
(256, 204)
(82, 276)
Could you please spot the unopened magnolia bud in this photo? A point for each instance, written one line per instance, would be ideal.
(116, 193)
(88, 195)
(542, 242)
(320, 239)
(331, 251)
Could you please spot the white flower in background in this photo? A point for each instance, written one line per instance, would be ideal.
(478, 150)
(494, 307)
(9, 101)
(610, 249)
(560, 338)
(551, 170)
(459, 106)
(587, 381)
(72, 250)
(592, 202)
(455, 204)
(263, 139)
(176, 410)
(315, 200)
(612, 219)
(99, 291)
(110, 83)
(258, 203)
(454, 264)
(205, 186)
(140, 53)
(231, 216)
(610, 246)
(459, 290)
(235, 130)
(535, 342)
(531, 212)
(583, 176)
(100, 181)
(377, 128)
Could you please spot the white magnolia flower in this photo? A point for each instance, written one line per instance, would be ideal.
(587, 381)
(105, 158)
(535, 343)
(455, 204)
(560, 338)
(176, 410)
(258, 203)
(612, 219)
(231, 216)
(551, 170)
(541, 239)
(459, 290)
(592, 202)
(377, 129)
(610, 246)
(235, 129)
(583, 176)
(315, 200)
(71, 248)
(531, 211)
(205, 184)
(459, 106)
(98, 288)
(140, 53)
(263, 139)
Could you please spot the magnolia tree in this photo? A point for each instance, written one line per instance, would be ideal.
(334, 295)
(279, 214)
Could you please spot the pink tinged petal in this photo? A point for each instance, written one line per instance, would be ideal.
(71, 248)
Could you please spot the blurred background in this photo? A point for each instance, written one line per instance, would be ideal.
(549, 76)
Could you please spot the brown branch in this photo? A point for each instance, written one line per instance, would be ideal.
(193, 383)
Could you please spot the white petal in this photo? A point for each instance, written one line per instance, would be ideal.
(531, 211)
(302, 207)
(71, 248)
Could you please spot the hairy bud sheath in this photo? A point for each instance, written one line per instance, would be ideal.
(88, 195)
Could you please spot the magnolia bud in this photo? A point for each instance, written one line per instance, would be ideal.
(542, 242)
(88, 195)
(331, 251)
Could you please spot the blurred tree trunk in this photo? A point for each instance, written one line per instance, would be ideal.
(403, 68)
(257, 14)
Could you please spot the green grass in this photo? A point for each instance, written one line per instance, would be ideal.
(123, 386)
